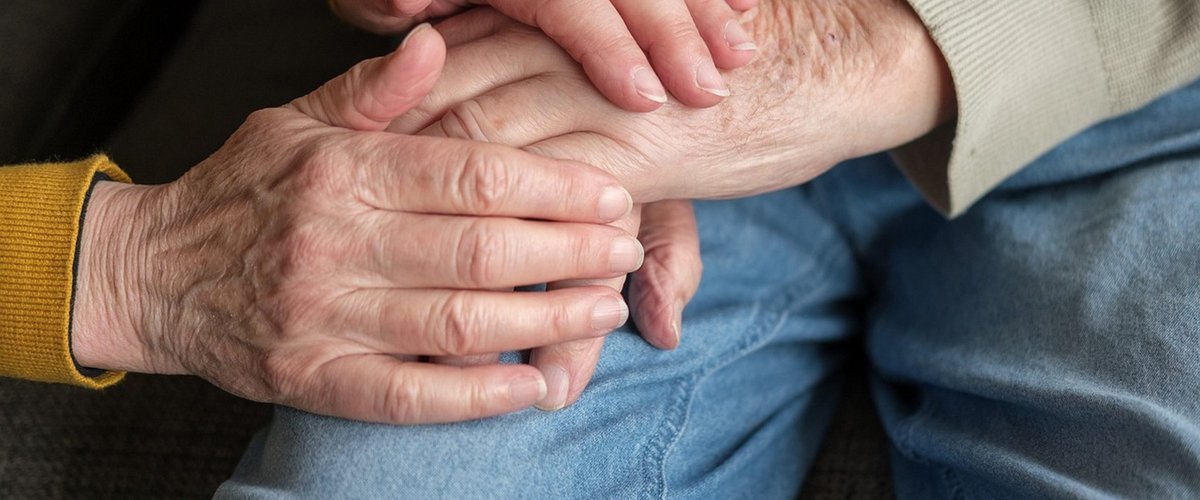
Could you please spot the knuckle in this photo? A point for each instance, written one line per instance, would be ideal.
(423, 114)
(320, 167)
(484, 183)
(561, 320)
(302, 250)
(600, 53)
(695, 264)
(459, 326)
(592, 249)
(481, 255)
(282, 375)
(264, 131)
(468, 120)
(401, 400)
(478, 399)
(678, 34)
(579, 352)
(261, 118)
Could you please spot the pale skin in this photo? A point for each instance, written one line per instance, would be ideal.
(853, 103)
(834, 80)
(629, 48)
(685, 41)
(313, 258)
(299, 262)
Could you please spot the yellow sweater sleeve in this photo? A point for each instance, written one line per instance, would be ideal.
(41, 206)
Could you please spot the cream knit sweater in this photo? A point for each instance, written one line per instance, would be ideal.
(1031, 73)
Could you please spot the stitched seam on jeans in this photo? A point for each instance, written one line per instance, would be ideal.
(952, 483)
(659, 448)
(670, 432)
(904, 430)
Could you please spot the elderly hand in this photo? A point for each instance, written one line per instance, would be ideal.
(683, 38)
(308, 264)
(834, 80)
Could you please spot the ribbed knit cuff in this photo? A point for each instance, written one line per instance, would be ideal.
(1028, 75)
(41, 207)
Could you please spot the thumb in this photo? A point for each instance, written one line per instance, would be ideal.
(376, 91)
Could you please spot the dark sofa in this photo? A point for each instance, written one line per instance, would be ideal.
(159, 85)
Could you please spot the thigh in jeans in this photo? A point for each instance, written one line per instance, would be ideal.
(1047, 343)
(736, 410)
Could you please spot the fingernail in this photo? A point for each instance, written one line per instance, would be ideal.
(626, 255)
(558, 384)
(526, 391)
(609, 314)
(614, 203)
(648, 86)
(414, 31)
(737, 38)
(709, 79)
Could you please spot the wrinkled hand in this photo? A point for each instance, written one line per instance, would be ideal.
(686, 40)
(834, 80)
(308, 264)
(658, 293)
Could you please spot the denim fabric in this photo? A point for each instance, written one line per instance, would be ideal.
(1044, 344)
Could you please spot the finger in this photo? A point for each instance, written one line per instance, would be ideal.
(391, 17)
(545, 106)
(485, 253)
(594, 34)
(472, 25)
(729, 43)
(568, 367)
(384, 17)
(477, 67)
(378, 90)
(437, 176)
(659, 290)
(668, 33)
(620, 161)
(742, 5)
(458, 323)
(379, 388)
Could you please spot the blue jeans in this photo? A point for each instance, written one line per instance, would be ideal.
(1044, 344)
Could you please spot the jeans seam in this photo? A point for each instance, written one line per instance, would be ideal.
(904, 431)
(659, 447)
(951, 481)
(677, 415)
(903, 443)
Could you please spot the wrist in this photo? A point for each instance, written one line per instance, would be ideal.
(108, 301)
(866, 71)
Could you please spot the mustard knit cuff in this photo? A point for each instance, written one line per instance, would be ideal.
(40, 215)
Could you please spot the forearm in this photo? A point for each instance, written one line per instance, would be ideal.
(874, 57)
(835, 80)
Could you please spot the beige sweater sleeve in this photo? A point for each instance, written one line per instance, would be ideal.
(1031, 73)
